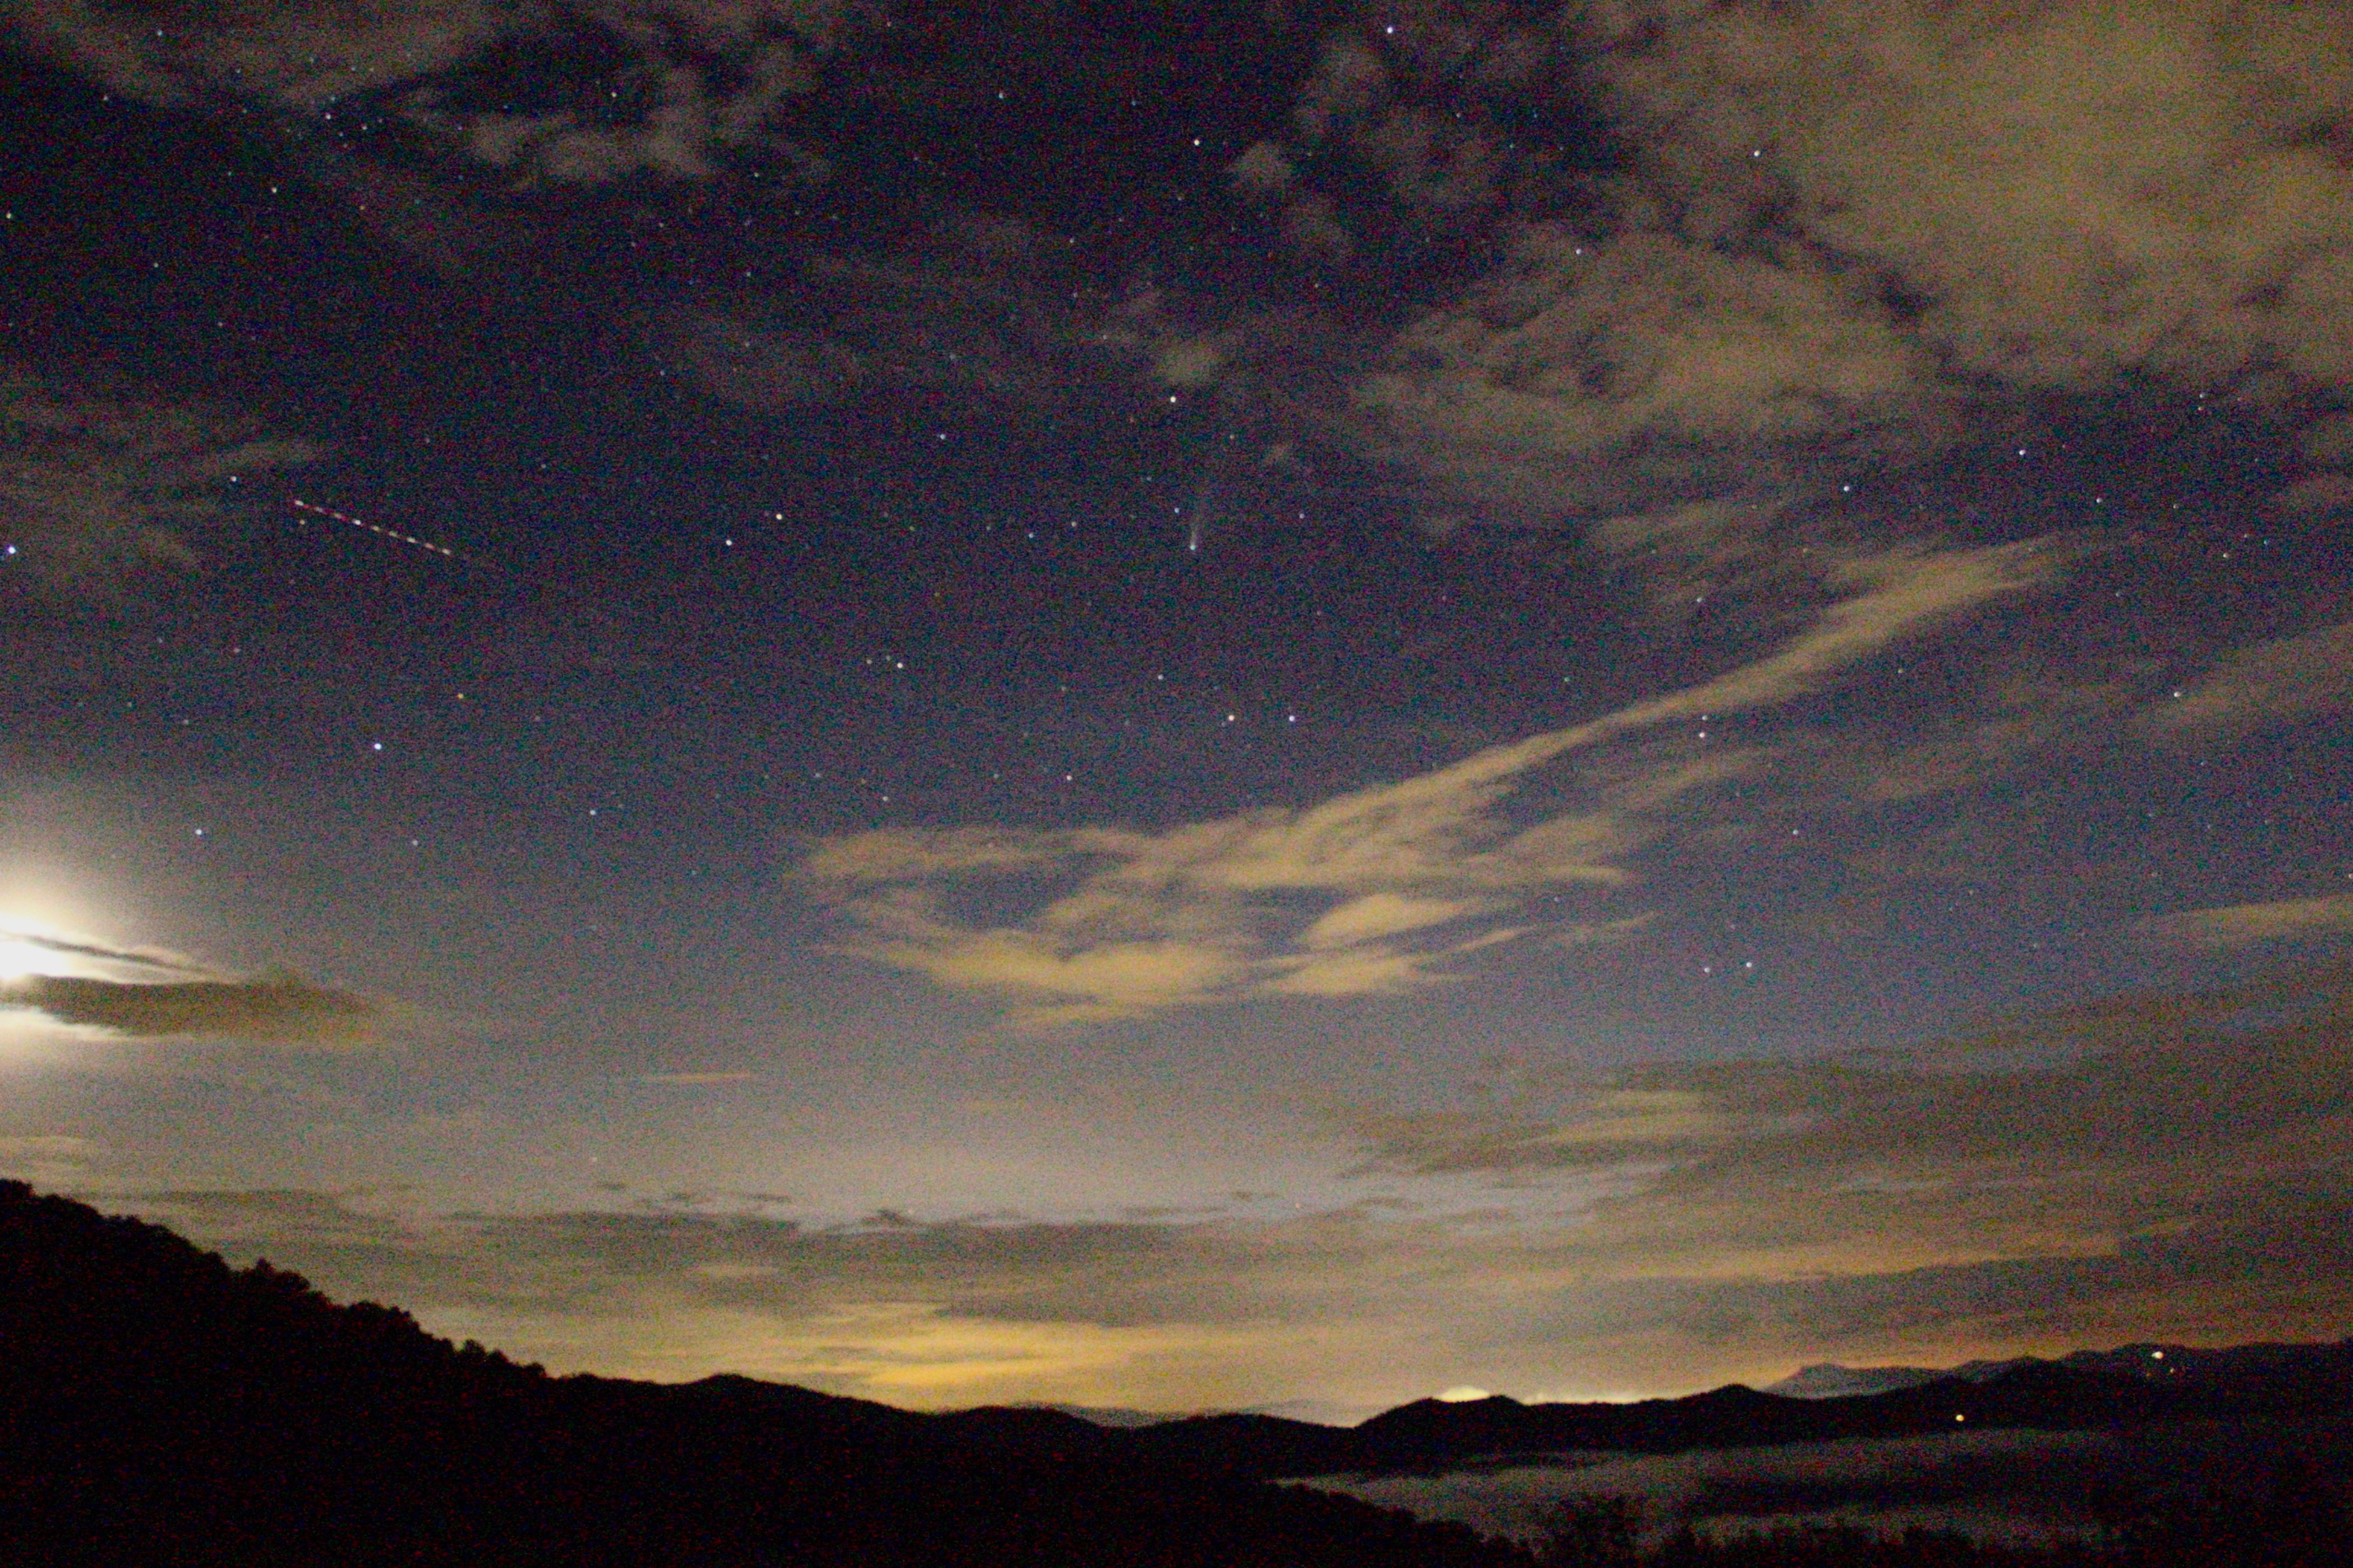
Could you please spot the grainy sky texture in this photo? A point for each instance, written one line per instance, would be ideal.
(1173, 707)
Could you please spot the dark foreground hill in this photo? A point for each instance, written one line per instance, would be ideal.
(159, 1409)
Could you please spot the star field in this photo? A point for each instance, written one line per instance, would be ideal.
(1189, 710)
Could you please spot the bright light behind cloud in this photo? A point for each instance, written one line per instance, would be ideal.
(31, 946)
(45, 917)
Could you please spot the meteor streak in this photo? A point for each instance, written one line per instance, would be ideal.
(301, 505)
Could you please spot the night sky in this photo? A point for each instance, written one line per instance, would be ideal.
(1188, 706)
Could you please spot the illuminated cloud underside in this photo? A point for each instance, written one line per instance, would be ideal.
(1402, 879)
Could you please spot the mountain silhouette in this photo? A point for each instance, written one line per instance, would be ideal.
(160, 1407)
(2255, 1376)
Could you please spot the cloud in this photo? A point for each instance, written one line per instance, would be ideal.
(94, 490)
(2156, 1165)
(619, 88)
(45, 1146)
(2023, 713)
(2272, 684)
(276, 1009)
(2068, 195)
(939, 1314)
(2315, 496)
(51, 1159)
(2065, 1144)
(1262, 168)
(967, 301)
(2243, 925)
(24, 948)
(151, 994)
(1379, 890)
(1744, 249)
(303, 56)
(1533, 390)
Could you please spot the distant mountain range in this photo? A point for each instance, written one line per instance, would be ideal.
(2268, 1374)
(1104, 1414)
(176, 1410)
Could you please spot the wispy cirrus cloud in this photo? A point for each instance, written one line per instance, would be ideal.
(682, 82)
(1379, 890)
(2243, 925)
(94, 488)
(2283, 681)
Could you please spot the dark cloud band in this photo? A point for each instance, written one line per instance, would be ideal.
(277, 1009)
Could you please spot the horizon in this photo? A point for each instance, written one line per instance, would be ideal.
(1177, 708)
(1120, 1418)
